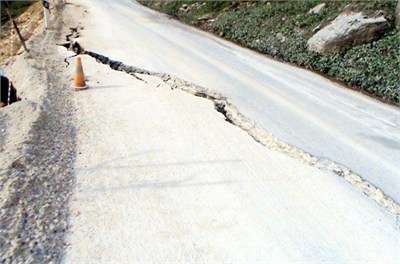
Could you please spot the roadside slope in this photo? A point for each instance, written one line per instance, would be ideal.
(37, 153)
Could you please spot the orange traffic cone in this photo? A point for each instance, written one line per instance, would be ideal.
(79, 83)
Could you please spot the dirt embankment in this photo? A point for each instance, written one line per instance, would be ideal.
(29, 23)
(37, 153)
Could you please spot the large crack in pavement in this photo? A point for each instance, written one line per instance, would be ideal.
(258, 133)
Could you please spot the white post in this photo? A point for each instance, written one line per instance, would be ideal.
(46, 11)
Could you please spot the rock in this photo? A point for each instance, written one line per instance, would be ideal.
(281, 37)
(317, 9)
(204, 18)
(298, 30)
(63, 225)
(347, 7)
(348, 29)
(316, 28)
(184, 8)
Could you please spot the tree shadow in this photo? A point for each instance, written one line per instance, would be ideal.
(108, 164)
(189, 181)
(159, 185)
(104, 165)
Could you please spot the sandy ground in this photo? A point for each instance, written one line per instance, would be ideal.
(162, 177)
(297, 106)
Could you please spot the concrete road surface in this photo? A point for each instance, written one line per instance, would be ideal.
(297, 106)
(162, 177)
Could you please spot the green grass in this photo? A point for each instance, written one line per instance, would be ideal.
(282, 28)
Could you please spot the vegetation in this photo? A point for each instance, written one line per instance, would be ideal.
(281, 29)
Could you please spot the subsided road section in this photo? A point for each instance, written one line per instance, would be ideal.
(297, 106)
(162, 177)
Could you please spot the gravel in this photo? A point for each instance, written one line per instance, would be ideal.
(37, 156)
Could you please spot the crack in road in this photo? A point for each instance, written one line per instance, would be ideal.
(259, 134)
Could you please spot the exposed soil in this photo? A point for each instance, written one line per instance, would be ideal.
(29, 23)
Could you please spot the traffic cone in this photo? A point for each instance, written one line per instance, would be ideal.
(79, 83)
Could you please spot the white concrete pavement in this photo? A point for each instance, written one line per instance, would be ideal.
(162, 177)
(299, 107)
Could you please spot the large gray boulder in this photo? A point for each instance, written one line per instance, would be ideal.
(348, 29)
